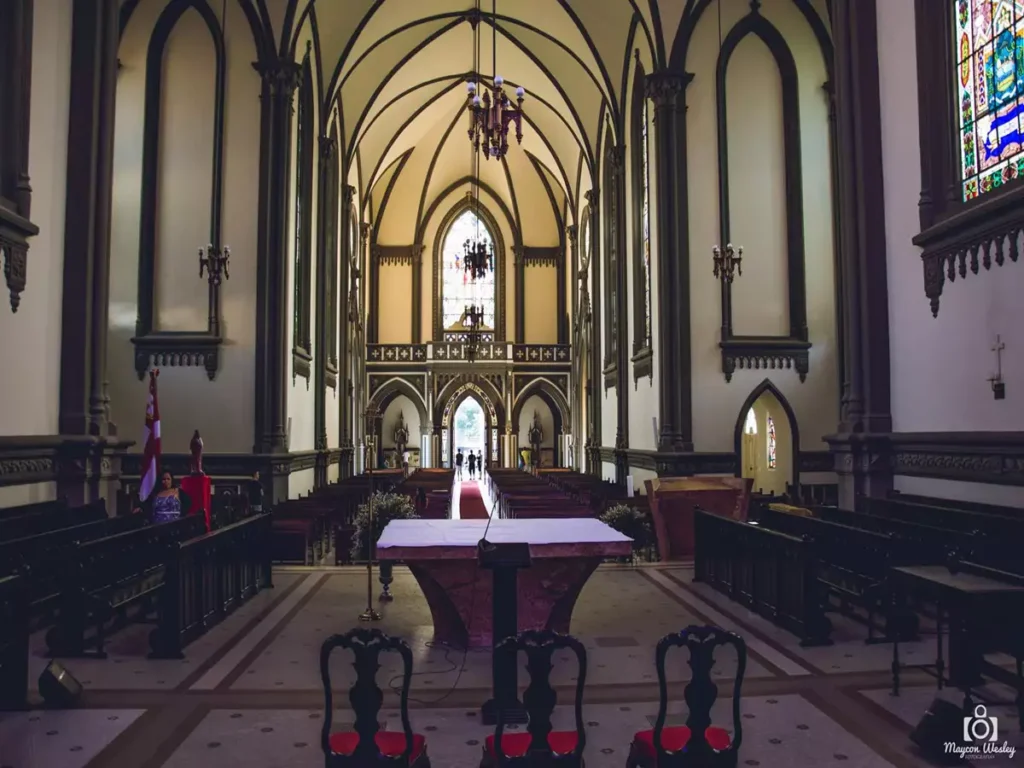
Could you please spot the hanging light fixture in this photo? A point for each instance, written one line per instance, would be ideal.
(478, 258)
(492, 113)
(727, 261)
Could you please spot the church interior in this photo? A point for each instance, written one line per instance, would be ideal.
(633, 377)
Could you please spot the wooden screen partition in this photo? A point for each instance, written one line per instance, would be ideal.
(14, 616)
(207, 578)
(674, 499)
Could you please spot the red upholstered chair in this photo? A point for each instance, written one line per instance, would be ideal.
(540, 745)
(698, 744)
(367, 746)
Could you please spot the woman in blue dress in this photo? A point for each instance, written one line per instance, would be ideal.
(167, 504)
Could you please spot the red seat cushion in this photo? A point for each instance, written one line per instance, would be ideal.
(305, 526)
(516, 744)
(390, 743)
(676, 738)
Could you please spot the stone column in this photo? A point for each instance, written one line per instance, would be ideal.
(348, 311)
(279, 78)
(617, 209)
(519, 272)
(89, 457)
(861, 446)
(326, 251)
(596, 373)
(668, 92)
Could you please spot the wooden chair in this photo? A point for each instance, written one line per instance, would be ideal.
(540, 745)
(698, 744)
(367, 746)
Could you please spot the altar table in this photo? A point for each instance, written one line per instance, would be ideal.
(442, 556)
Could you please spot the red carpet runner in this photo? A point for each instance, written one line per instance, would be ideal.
(471, 503)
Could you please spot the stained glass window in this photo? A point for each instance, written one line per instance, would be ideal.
(771, 442)
(750, 427)
(458, 291)
(646, 220)
(989, 91)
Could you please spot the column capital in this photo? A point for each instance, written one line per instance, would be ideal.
(665, 87)
(592, 196)
(348, 194)
(571, 232)
(328, 146)
(281, 76)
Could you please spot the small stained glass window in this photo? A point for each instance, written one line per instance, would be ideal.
(646, 221)
(771, 443)
(989, 92)
(750, 427)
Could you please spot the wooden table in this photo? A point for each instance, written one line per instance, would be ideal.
(442, 555)
(976, 604)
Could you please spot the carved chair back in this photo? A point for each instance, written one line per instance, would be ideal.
(700, 695)
(540, 698)
(365, 697)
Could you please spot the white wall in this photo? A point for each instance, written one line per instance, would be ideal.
(716, 405)
(222, 409)
(31, 381)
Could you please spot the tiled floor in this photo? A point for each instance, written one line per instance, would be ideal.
(250, 694)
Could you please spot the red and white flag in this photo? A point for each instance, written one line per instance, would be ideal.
(151, 441)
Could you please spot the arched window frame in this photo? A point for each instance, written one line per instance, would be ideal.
(334, 230)
(956, 235)
(610, 270)
(641, 188)
(484, 231)
(303, 221)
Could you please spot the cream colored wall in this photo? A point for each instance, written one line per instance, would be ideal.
(300, 483)
(939, 365)
(754, 222)
(754, 450)
(31, 381)
(410, 415)
(395, 304)
(640, 478)
(540, 304)
(222, 409)
(644, 395)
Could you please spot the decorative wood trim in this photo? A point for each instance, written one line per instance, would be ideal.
(816, 461)
(326, 291)
(234, 465)
(543, 255)
(614, 159)
(977, 457)
(26, 460)
(954, 233)
(591, 268)
(153, 346)
(15, 112)
(396, 353)
(790, 349)
(302, 248)
(396, 255)
(542, 353)
(642, 357)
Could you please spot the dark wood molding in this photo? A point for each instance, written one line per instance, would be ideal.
(865, 404)
(302, 248)
(611, 167)
(667, 89)
(326, 274)
(26, 460)
(396, 255)
(152, 345)
(592, 268)
(84, 405)
(955, 235)
(15, 107)
(816, 461)
(237, 466)
(766, 351)
(639, 177)
(543, 255)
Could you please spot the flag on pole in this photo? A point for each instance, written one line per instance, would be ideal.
(150, 441)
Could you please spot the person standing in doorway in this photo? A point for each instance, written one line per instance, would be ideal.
(458, 464)
(405, 461)
(480, 463)
(472, 466)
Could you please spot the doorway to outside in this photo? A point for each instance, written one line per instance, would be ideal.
(469, 429)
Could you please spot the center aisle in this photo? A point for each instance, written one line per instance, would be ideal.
(471, 502)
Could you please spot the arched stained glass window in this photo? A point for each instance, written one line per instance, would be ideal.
(458, 291)
(771, 442)
(750, 427)
(989, 75)
(645, 218)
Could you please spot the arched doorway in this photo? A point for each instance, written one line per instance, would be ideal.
(469, 428)
(489, 420)
(767, 440)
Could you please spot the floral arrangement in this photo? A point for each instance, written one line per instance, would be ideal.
(386, 507)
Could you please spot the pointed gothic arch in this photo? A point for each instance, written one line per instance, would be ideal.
(741, 419)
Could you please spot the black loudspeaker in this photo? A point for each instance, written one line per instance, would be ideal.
(58, 687)
(942, 724)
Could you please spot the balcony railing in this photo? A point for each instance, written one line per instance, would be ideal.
(453, 349)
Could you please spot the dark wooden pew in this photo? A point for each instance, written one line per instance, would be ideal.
(970, 506)
(771, 573)
(40, 522)
(208, 577)
(966, 521)
(106, 577)
(14, 632)
(36, 508)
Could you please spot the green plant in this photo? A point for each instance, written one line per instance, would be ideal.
(386, 507)
(631, 521)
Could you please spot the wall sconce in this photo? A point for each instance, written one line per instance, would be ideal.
(215, 262)
(998, 385)
(728, 263)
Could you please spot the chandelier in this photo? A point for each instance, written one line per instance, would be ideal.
(473, 322)
(492, 114)
(478, 258)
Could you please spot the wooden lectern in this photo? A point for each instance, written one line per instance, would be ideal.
(503, 561)
(673, 500)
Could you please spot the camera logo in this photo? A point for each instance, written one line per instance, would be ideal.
(981, 727)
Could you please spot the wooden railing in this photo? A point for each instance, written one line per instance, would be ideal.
(206, 579)
(13, 643)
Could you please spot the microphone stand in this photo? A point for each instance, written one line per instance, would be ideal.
(370, 614)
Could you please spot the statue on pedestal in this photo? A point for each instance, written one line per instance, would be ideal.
(196, 447)
(401, 435)
(536, 436)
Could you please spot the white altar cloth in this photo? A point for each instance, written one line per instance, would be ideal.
(466, 533)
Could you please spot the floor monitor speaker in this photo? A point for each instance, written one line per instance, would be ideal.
(58, 687)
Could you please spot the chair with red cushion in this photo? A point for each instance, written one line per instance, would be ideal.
(367, 746)
(698, 744)
(540, 745)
